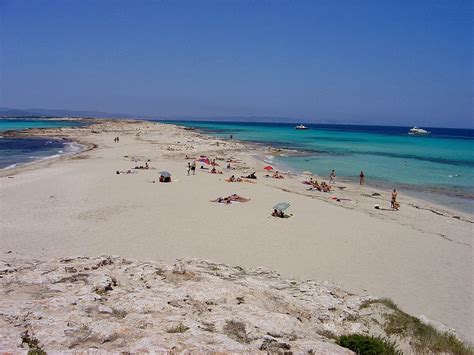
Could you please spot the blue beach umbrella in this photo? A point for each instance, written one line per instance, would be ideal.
(282, 206)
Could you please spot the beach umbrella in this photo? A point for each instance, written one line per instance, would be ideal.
(282, 206)
(165, 174)
(268, 167)
(205, 160)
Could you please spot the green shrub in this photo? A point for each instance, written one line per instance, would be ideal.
(423, 337)
(236, 330)
(367, 345)
(180, 328)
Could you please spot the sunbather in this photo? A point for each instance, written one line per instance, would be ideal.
(277, 213)
(232, 198)
(165, 178)
(238, 198)
(250, 176)
(215, 171)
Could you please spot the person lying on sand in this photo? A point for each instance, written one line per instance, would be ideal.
(121, 172)
(165, 178)
(277, 213)
(142, 166)
(276, 175)
(215, 171)
(280, 214)
(224, 200)
(250, 176)
(229, 199)
(234, 179)
(325, 187)
(237, 198)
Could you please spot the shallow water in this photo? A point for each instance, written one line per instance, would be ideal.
(437, 167)
(19, 151)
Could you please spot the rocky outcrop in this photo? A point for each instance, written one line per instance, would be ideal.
(110, 303)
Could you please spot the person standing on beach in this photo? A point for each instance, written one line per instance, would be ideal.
(231, 136)
(361, 178)
(193, 167)
(332, 177)
(394, 202)
(189, 168)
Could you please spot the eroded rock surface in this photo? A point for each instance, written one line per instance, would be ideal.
(111, 303)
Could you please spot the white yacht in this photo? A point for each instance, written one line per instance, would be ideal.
(301, 126)
(418, 131)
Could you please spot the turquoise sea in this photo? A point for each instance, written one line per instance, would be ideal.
(438, 167)
(19, 151)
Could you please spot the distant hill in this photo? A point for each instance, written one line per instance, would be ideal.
(38, 112)
(263, 119)
(12, 112)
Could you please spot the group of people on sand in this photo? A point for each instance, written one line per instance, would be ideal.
(234, 179)
(322, 187)
(251, 176)
(191, 168)
(275, 175)
(116, 139)
(332, 177)
(395, 205)
(215, 171)
(146, 167)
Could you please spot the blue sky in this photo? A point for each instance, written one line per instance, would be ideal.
(381, 62)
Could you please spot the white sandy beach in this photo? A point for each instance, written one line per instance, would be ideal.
(420, 257)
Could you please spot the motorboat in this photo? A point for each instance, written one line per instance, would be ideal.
(416, 131)
(301, 126)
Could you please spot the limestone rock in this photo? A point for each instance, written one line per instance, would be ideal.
(113, 304)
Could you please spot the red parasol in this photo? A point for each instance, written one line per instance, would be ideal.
(205, 160)
(268, 167)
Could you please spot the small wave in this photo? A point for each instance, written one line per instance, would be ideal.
(40, 158)
(73, 147)
(10, 166)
